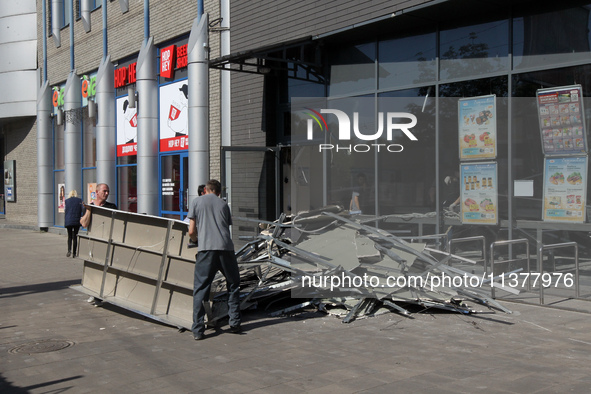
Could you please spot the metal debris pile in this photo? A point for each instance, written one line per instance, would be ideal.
(337, 263)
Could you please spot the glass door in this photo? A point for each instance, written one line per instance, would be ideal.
(174, 182)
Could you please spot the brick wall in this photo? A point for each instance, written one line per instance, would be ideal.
(20, 139)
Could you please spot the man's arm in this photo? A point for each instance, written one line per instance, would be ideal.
(192, 230)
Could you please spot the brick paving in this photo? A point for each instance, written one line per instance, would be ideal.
(536, 349)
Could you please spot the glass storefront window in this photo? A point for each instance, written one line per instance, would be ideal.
(60, 195)
(406, 61)
(552, 38)
(474, 50)
(58, 152)
(170, 167)
(127, 188)
(89, 142)
(352, 69)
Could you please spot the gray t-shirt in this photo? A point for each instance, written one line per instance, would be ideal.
(213, 220)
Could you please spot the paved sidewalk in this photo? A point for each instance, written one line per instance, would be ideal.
(87, 349)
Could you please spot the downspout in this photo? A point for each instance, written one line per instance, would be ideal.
(44, 16)
(105, 126)
(57, 10)
(72, 133)
(71, 35)
(105, 42)
(198, 73)
(44, 157)
(85, 14)
(226, 103)
(147, 130)
(146, 21)
(44, 142)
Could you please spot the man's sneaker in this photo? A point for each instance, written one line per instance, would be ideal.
(68, 254)
(199, 336)
(236, 329)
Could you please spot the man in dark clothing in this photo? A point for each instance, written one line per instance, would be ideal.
(209, 225)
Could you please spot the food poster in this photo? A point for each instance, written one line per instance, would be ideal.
(562, 120)
(126, 128)
(477, 128)
(174, 116)
(478, 193)
(565, 183)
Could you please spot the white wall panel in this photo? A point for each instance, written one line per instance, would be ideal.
(18, 56)
(18, 28)
(16, 7)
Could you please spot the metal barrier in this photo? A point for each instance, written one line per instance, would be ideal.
(541, 265)
(470, 239)
(510, 243)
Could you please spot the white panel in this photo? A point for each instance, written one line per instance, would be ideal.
(16, 7)
(18, 28)
(18, 56)
(18, 109)
(19, 86)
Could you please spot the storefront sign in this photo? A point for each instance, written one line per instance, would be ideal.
(88, 88)
(479, 193)
(167, 58)
(174, 120)
(125, 75)
(565, 185)
(57, 99)
(561, 116)
(126, 128)
(477, 128)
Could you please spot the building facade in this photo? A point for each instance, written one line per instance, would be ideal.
(271, 65)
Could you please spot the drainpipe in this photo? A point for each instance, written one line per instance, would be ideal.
(44, 157)
(147, 130)
(198, 73)
(85, 14)
(57, 11)
(73, 133)
(226, 107)
(71, 34)
(146, 21)
(44, 16)
(105, 46)
(105, 127)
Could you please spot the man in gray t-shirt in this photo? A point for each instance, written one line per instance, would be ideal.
(209, 225)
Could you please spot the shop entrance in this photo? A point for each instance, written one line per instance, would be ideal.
(174, 185)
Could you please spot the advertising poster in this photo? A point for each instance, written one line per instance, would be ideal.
(90, 193)
(9, 181)
(61, 197)
(562, 120)
(126, 128)
(174, 119)
(477, 128)
(565, 183)
(479, 193)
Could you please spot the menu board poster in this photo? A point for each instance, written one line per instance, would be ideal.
(562, 120)
(565, 183)
(477, 128)
(479, 202)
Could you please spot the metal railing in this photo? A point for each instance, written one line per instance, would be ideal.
(541, 265)
(510, 243)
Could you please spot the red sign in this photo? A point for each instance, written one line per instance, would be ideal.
(125, 75)
(174, 143)
(167, 58)
(127, 149)
(181, 56)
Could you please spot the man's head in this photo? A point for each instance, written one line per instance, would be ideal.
(102, 193)
(213, 186)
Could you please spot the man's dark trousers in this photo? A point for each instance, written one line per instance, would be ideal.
(208, 263)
